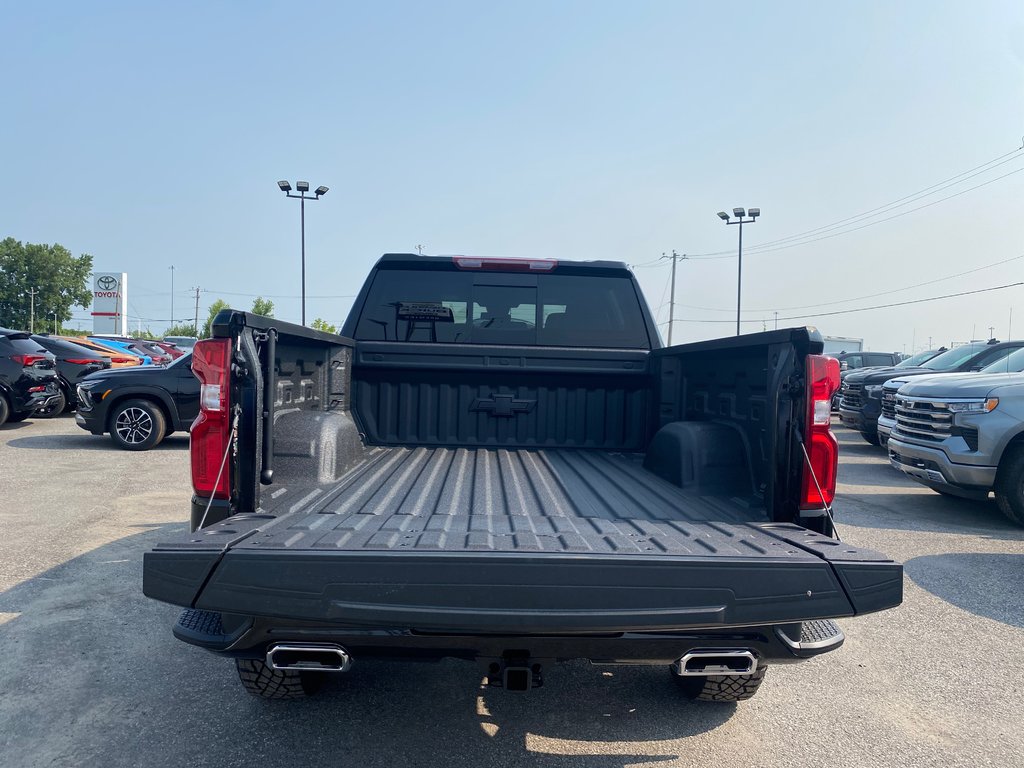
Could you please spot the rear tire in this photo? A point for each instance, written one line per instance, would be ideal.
(261, 680)
(720, 687)
(5, 410)
(137, 425)
(1010, 485)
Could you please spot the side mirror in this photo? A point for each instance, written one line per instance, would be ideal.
(844, 366)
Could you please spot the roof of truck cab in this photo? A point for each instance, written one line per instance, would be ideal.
(389, 260)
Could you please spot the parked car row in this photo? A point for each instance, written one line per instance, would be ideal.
(954, 423)
(40, 373)
(858, 361)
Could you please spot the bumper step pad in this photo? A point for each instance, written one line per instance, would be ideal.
(815, 637)
(206, 629)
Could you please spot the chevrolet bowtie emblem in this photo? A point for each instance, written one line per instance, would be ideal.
(502, 405)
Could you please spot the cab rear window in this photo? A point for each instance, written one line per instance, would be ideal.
(502, 308)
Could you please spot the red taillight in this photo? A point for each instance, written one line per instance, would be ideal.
(28, 360)
(211, 431)
(124, 359)
(822, 446)
(503, 265)
(82, 361)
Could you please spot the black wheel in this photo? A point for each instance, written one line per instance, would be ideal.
(55, 409)
(261, 680)
(871, 437)
(720, 687)
(137, 425)
(5, 409)
(1010, 485)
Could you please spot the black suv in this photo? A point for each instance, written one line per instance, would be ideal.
(74, 363)
(28, 378)
(853, 361)
(861, 402)
(139, 406)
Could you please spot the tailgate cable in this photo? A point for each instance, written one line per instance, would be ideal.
(814, 477)
(227, 450)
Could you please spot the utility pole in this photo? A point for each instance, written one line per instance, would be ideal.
(776, 321)
(196, 326)
(672, 293)
(1009, 327)
(54, 323)
(991, 332)
(419, 249)
(32, 312)
(172, 295)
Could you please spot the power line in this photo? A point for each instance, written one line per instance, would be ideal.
(276, 296)
(656, 262)
(879, 306)
(866, 296)
(894, 216)
(906, 199)
(898, 203)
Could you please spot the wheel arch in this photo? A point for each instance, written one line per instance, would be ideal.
(156, 396)
(1013, 443)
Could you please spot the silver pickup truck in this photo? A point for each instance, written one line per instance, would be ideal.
(962, 435)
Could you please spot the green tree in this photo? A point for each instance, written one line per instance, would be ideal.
(60, 279)
(216, 307)
(181, 329)
(322, 325)
(263, 307)
(146, 335)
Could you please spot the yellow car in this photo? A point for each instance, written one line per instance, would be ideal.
(117, 359)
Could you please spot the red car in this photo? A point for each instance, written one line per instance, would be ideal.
(169, 348)
(159, 355)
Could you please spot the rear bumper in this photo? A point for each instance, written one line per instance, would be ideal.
(23, 399)
(932, 466)
(247, 637)
(44, 401)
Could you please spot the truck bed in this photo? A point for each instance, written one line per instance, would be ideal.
(480, 540)
(443, 499)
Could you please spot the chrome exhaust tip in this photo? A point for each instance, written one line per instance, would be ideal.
(728, 661)
(311, 657)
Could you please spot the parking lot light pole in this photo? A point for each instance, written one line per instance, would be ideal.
(302, 187)
(739, 213)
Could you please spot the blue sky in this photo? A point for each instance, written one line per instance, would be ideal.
(154, 135)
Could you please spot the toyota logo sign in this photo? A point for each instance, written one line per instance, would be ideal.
(106, 282)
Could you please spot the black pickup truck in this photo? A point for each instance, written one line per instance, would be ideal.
(497, 461)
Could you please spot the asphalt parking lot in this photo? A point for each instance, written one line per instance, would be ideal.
(90, 674)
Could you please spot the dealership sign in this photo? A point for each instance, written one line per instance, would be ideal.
(109, 299)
